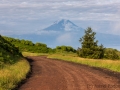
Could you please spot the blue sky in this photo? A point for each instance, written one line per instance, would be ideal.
(27, 16)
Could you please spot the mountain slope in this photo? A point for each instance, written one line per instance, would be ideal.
(63, 25)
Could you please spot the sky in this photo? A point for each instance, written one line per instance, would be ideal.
(27, 16)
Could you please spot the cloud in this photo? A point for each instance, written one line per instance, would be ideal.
(44, 12)
(45, 32)
(65, 38)
(71, 8)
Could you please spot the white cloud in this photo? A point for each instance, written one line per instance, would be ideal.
(46, 11)
(44, 32)
(65, 8)
(65, 38)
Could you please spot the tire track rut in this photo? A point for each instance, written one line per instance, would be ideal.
(50, 74)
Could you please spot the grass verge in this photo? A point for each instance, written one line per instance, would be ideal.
(32, 54)
(107, 64)
(13, 74)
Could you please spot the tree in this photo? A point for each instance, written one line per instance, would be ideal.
(89, 47)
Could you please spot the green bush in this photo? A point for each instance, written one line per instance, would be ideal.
(111, 54)
(8, 52)
(0, 54)
(65, 49)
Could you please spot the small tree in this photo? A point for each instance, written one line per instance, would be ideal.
(89, 47)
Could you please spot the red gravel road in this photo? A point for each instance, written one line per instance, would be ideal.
(50, 74)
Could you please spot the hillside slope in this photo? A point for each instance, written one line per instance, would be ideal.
(28, 46)
(8, 52)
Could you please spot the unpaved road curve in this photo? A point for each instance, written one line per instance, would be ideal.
(49, 74)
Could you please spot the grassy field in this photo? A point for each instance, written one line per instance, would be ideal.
(113, 65)
(11, 75)
(33, 54)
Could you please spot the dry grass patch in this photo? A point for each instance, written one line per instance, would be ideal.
(108, 64)
(11, 75)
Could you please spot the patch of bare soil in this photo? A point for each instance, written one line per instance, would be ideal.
(50, 74)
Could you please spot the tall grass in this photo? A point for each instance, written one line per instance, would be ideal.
(11, 75)
(107, 64)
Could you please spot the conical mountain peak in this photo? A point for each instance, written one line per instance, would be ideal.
(62, 25)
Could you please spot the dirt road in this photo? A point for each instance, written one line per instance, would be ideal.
(48, 74)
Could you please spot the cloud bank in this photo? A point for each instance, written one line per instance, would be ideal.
(25, 16)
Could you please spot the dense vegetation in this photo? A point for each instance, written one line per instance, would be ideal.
(63, 49)
(13, 67)
(111, 53)
(90, 49)
(8, 52)
(29, 46)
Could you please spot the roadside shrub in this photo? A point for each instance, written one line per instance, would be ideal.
(111, 54)
(8, 52)
(65, 49)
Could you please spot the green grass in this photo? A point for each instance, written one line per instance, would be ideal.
(11, 75)
(13, 67)
(107, 64)
(32, 54)
(113, 65)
